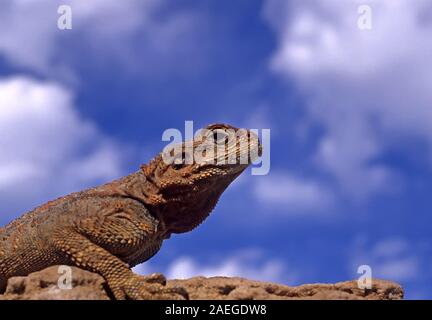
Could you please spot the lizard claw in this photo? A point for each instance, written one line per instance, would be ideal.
(151, 287)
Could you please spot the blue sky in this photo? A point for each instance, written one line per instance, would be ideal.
(349, 113)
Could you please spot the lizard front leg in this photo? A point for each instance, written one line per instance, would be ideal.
(123, 283)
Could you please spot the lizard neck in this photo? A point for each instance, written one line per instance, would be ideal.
(139, 187)
(178, 214)
(186, 213)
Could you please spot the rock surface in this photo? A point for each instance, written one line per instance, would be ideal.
(89, 286)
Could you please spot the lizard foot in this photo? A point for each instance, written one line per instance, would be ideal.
(150, 287)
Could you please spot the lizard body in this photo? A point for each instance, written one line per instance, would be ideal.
(113, 227)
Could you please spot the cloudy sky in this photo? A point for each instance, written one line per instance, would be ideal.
(349, 109)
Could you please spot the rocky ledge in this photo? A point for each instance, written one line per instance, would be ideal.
(43, 285)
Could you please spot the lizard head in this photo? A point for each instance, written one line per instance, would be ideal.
(189, 178)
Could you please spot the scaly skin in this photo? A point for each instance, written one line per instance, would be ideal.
(113, 227)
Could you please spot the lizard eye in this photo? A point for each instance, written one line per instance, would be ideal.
(219, 136)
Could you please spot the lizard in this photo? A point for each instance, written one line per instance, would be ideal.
(111, 228)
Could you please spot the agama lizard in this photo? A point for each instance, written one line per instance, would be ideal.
(113, 227)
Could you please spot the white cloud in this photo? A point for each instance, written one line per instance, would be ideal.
(259, 119)
(365, 88)
(240, 265)
(392, 259)
(296, 194)
(47, 147)
(248, 263)
(400, 269)
(136, 33)
(322, 36)
(390, 247)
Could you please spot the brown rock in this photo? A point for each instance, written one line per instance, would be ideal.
(221, 288)
(43, 285)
